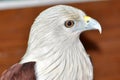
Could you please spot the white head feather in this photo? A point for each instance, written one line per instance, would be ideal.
(57, 50)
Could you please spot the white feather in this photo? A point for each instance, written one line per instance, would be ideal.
(58, 52)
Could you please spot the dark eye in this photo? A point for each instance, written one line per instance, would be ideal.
(69, 23)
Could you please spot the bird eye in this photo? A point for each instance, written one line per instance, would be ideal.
(69, 23)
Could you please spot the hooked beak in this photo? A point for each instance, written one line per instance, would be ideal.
(92, 24)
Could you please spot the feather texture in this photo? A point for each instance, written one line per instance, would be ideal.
(20, 72)
(57, 51)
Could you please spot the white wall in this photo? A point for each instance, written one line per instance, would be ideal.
(11, 4)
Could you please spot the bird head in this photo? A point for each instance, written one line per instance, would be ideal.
(54, 42)
(61, 22)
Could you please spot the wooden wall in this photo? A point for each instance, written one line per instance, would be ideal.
(104, 49)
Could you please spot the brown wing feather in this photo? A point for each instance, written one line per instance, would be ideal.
(20, 72)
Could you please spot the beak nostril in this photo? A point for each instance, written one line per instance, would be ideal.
(88, 21)
(86, 18)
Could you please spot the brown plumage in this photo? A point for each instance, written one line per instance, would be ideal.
(20, 72)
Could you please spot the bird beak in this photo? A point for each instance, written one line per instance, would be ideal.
(92, 24)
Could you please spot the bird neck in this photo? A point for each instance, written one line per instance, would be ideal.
(60, 62)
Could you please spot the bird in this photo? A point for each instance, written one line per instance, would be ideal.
(54, 50)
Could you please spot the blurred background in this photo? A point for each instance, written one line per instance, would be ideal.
(16, 18)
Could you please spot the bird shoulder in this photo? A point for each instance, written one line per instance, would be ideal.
(20, 72)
